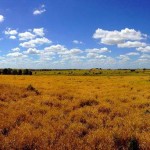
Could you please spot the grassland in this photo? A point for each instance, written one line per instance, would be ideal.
(94, 72)
(74, 112)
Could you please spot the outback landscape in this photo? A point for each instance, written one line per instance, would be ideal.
(75, 112)
(74, 74)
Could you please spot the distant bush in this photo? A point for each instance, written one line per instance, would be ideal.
(132, 70)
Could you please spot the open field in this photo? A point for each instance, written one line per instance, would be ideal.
(94, 72)
(74, 112)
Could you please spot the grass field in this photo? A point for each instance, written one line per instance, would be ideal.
(94, 72)
(74, 112)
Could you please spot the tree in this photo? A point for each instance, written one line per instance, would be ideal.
(5, 71)
(19, 72)
(30, 72)
(14, 72)
(25, 72)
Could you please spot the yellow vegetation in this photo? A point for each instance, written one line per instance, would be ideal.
(68, 113)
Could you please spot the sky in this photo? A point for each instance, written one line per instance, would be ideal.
(75, 34)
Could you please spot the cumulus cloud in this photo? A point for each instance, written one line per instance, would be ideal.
(16, 49)
(32, 51)
(39, 31)
(119, 37)
(95, 55)
(12, 37)
(40, 10)
(10, 31)
(144, 49)
(35, 42)
(77, 42)
(100, 50)
(130, 44)
(55, 48)
(1, 18)
(75, 51)
(62, 50)
(133, 54)
(145, 56)
(26, 36)
(16, 54)
(124, 58)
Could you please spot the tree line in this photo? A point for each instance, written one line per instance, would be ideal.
(9, 71)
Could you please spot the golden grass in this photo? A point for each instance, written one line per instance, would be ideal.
(68, 113)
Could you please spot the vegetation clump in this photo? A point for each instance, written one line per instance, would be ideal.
(133, 144)
(89, 103)
(9, 71)
(31, 88)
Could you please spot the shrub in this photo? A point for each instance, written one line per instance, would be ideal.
(31, 88)
(133, 144)
(5, 131)
(89, 103)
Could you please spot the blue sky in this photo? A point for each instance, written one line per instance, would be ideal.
(74, 34)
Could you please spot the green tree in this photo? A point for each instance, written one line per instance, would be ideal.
(25, 72)
(14, 72)
(19, 72)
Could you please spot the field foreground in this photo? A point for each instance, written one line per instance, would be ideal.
(74, 112)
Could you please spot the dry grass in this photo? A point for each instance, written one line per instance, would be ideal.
(68, 113)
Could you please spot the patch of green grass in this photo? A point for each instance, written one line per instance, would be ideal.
(94, 72)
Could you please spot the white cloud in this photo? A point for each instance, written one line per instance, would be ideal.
(132, 54)
(16, 54)
(118, 37)
(124, 58)
(39, 31)
(91, 55)
(40, 10)
(12, 37)
(16, 49)
(77, 42)
(32, 51)
(95, 55)
(130, 44)
(55, 48)
(100, 50)
(36, 42)
(75, 51)
(9, 31)
(144, 49)
(26, 36)
(70, 52)
(1, 18)
(143, 60)
(61, 50)
(145, 56)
